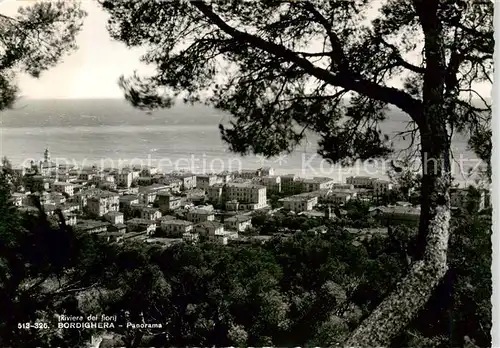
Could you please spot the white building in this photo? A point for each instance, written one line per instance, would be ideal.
(123, 179)
(316, 184)
(342, 186)
(248, 173)
(238, 223)
(300, 203)
(266, 171)
(197, 215)
(102, 203)
(190, 237)
(64, 187)
(46, 166)
(176, 228)
(128, 200)
(209, 228)
(188, 181)
(205, 181)
(150, 214)
(168, 202)
(57, 198)
(141, 225)
(114, 217)
(252, 195)
(272, 183)
(338, 196)
(361, 181)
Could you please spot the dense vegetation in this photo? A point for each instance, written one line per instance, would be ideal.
(308, 289)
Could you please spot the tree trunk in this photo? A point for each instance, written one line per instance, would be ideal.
(412, 293)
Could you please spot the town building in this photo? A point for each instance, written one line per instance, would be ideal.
(224, 177)
(127, 201)
(120, 228)
(176, 228)
(70, 219)
(205, 181)
(238, 223)
(87, 174)
(272, 183)
(47, 167)
(397, 215)
(290, 184)
(361, 181)
(197, 215)
(102, 203)
(150, 214)
(114, 217)
(195, 195)
(266, 171)
(248, 173)
(190, 237)
(64, 187)
(174, 184)
(123, 179)
(342, 186)
(232, 205)
(215, 193)
(337, 196)
(188, 181)
(299, 203)
(147, 170)
(316, 184)
(138, 225)
(68, 207)
(250, 195)
(209, 228)
(91, 226)
(168, 202)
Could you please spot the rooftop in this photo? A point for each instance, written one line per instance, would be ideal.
(398, 210)
(150, 210)
(245, 185)
(114, 213)
(210, 224)
(238, 218)
(89, 224)
(168, 218)
(128, 198)
(202, 211)
(140, 221)
(177, 222)
(62, 183)
(312, 213)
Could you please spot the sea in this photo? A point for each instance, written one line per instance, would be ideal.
(111, 133)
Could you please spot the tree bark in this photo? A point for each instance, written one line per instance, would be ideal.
(413, 292)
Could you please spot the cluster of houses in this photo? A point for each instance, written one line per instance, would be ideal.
(143, 203)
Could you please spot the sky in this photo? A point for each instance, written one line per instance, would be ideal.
(93, 70)
(90, 72)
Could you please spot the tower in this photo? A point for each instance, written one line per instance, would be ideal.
(46, 155)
